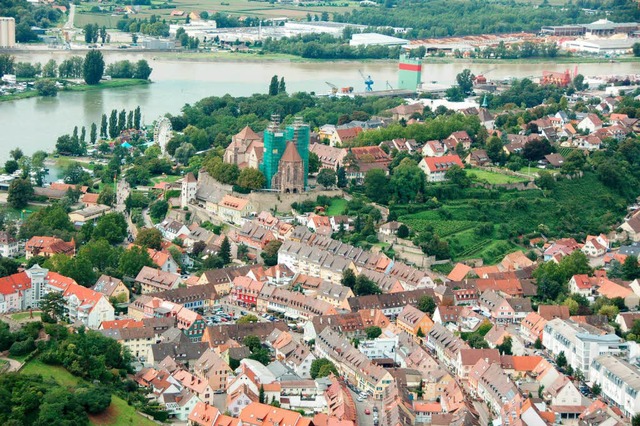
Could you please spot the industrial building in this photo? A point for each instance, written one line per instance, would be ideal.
(7, 33)
(599, 28)
(375, 39)
(409, 73)
(601, 47)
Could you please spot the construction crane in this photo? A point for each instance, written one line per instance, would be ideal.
(334, 88)
(368, 82)
(389, 85)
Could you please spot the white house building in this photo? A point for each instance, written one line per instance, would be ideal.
(620, 382)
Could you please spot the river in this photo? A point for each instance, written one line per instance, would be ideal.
(34, 124)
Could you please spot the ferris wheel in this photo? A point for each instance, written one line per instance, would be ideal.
(162, 133)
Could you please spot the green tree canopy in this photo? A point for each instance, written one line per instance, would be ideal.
(93, 67)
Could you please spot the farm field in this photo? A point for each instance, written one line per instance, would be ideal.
(263, 10)
(488, 224)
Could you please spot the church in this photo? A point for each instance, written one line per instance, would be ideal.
(282, 155)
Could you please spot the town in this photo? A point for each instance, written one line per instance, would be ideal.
(320, 274)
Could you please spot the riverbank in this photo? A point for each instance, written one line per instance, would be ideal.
(110, 84)
(241, 57)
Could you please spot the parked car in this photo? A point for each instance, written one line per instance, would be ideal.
(367, 411)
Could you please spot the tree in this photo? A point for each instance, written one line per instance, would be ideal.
(133, 260)
(149, 237)
(112, 227)
(326, 178)
(465, 81)
(93, 67)
(609, 310)
(20, 193)
(184, 152)
(427, 304)
(505, 346)
(636, 52)
(252, 342)
(113, 124)
(107, 196)
(476, 341)
(270, 253)
(50, 69)
(247, 319)
(158, 210)
(538, 343)
(143, 70)
(574, 162)
(545, 180)
(342, 178)
(251, 178)
(495, 151)
(561, 360)
(314, 163)
(93, 134)
(11, 166)
(282, 88)
(403, 231)
(458, 176)
(94, 399)
(103, 126)
(597, 390)
(16, 154)
(225, 251)
(552, 278)
(373, 332)
(376, 186)
(46, 88)
(7, 63)
(318, 364)
(536, 149)
(631, 268)
(273, 86)
(53, 305)
(261, 394)
(137, 115)
(364, 286)
(348, 278)
(578, 82)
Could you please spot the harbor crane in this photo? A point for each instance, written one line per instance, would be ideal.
(368, 82)
(334, 88)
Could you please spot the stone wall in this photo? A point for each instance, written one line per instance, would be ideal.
(282, 202)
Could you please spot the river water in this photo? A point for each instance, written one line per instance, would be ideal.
(35, 123)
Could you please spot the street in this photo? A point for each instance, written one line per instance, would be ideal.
(365, 419)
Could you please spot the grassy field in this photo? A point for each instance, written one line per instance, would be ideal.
(168, 178)
(493, 178)
(111, 84)
(14, 214)
(119, 412)
(237, 8)
(24, 315)
(337, 207)
(485, 224)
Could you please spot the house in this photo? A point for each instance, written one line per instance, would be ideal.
(560, 248)
(486, 119)
(152, 280)
(389, 228)
(112, 287)
(191, 297)
(320, 225)
(460, 137)
(330, 157)
(344, 136)
(405, 112)
(8, 245)
(362, 159)
(414, 321)
(436, 167)
(434, 148)
(82, 304)
(580, 344)
(257, 414)
(171, 229)
(88, 214)
(48, 246)
(253, 235)
(596, 245)
(467, 358)
(590, 123)
(164, 260)
(233, 209)
(555, 160)
(89, 199)
(611, 290)
(478, 157)
(204, 414)
(222, 279)
(620, 382)
(626, 320)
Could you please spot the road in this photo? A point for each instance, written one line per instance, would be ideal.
(13, 364)
(122, 192)
(365, 419)
(72, 12)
